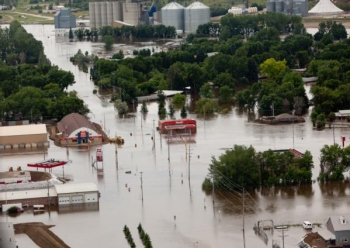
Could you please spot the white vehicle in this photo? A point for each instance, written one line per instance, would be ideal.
(307, 225)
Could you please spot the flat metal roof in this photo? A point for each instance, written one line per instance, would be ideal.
(68, 188)
(22, 130)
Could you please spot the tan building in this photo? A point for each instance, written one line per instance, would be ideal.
(23, 136)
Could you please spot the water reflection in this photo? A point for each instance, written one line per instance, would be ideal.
(335, 189)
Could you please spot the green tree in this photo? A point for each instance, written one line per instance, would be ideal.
(70, 36)
(273, 69)
(205, 91)
(333, 162)
(206, 106)
(237, 166)
(171, 111)
(178, 100)
(183, 112)
(121, 107)
(226, 94)
(144, 109)
(109, 41)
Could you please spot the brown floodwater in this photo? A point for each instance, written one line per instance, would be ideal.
(167, 192)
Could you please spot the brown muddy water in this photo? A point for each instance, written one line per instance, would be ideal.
(167, 192)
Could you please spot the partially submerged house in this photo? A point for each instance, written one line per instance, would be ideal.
(340, 227)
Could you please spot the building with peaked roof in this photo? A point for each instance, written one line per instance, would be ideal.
(64, 19)
(340, 227)
(325, 7)
(23, 136)
(75, 129)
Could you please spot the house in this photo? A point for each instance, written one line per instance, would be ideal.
(342, 114)
(340, 227)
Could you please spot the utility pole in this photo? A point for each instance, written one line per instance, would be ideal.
(168, 148)
(243, 218)
(283, 235)
(293, 127)
(141, 187)
(48, 193)
(116, 150)
(154, 135)
(189, 159)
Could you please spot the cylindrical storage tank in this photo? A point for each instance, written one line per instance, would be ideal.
(173, 15)
(279, 7)
(109, 7)
(196, 14)
(131, 13)
(104, 14)
(92, 15)
(98, 14)
(117, 11)
(270, 6)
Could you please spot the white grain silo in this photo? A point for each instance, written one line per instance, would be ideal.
(132, 13)
(196, 14)
(109, 8)
(117, 11)
(104, 14)
(98, 15)
(173, 15)
(92, 15)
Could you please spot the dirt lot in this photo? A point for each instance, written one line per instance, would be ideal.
(40, 234)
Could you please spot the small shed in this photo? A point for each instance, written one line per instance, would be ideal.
(73, 193)
(340, 227)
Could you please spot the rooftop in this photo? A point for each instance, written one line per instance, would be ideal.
(68, 188)
(339, 223)
(22, 130)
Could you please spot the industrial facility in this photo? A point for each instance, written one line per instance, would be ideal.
(185, 19)
(64, 19)
(294, 7)
(173, 15)
(117, 13)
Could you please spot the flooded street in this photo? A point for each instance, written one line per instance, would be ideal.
(167, 192)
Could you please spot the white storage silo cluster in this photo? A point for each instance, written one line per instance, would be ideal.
(196, 14)
(98, 23)
(252, 10)
(235, 11)
(104, 14)
(132, 12)
(295, 7)
(173, 15)
(92, 12)
(117, 11)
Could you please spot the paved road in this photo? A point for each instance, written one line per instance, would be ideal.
(39, 16)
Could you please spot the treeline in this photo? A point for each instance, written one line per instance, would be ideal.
(245, 168)
(249, 169)
(236, 64)
(140, 31)
(30, 87)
